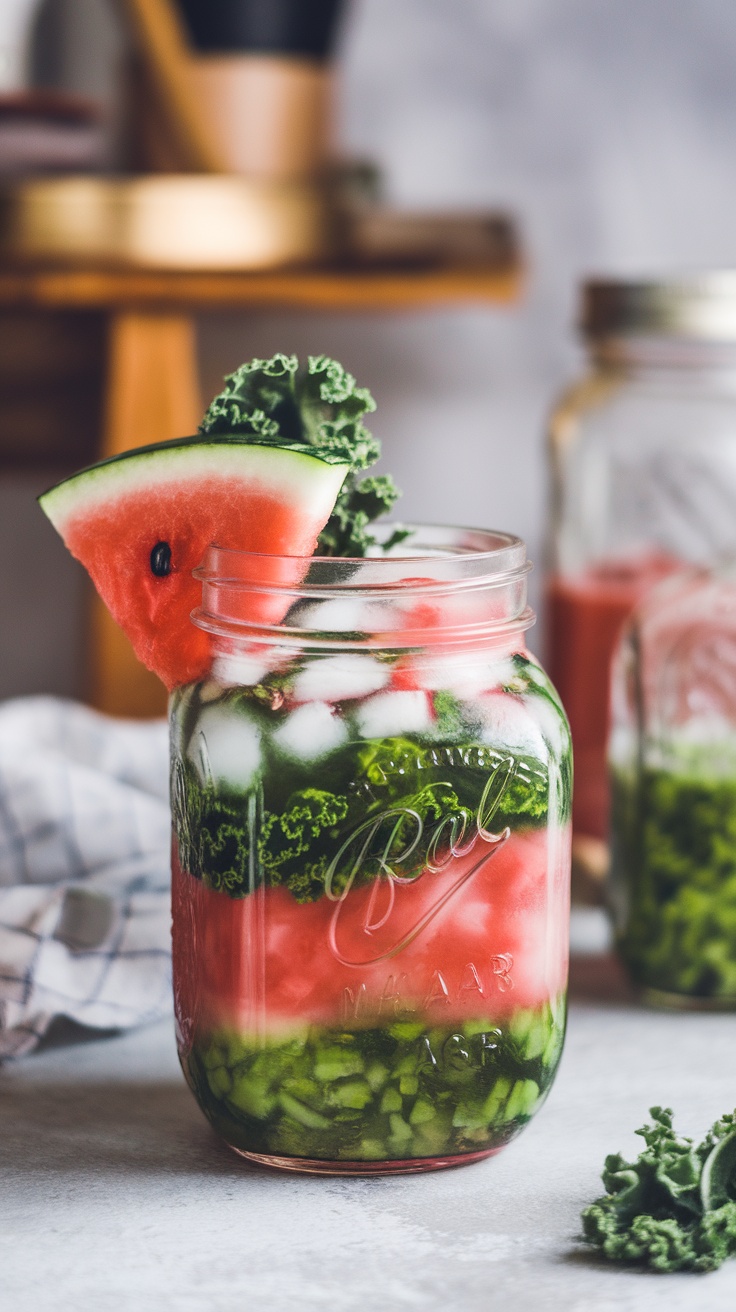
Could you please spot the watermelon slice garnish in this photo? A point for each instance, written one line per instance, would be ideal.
(274, 470)
(141, 522)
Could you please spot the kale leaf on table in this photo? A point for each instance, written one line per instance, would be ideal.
(674, 1208)
(320, 409)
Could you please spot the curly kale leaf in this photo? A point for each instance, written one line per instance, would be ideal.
(224, 857)
(674, 1209)
(231, 843)
(296, 845)
(425, 824)
(359, 503)
(451, 717)
(319, 408)
(518, 794)
(212, 835)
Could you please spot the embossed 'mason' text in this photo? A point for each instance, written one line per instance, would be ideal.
(399, 996)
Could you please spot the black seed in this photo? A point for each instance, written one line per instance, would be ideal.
(161, 560)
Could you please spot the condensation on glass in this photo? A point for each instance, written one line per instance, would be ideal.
(672, 758)
(370, 795)
(643, 456)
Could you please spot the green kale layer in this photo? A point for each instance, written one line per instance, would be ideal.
(674, 881)
(298, 828)
(381, 1094)
(674, 1208)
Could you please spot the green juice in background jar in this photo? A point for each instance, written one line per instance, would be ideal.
(673, 773)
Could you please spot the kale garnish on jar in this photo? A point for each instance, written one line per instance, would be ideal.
(317, 406)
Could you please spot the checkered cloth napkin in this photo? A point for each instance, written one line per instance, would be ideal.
(84, 870)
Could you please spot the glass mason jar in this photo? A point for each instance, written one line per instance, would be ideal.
(643, 457)
(370, 795)
(673, 772)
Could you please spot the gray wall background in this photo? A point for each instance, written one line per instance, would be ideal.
(608, 127)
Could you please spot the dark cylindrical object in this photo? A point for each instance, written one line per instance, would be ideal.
(304, 28)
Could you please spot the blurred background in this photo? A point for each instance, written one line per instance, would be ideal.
(606, 130)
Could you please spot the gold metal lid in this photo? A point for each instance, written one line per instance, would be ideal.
(701, 307)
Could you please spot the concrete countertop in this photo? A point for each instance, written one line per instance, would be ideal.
(115, 1194)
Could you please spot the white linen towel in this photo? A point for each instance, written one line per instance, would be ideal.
(84, 870)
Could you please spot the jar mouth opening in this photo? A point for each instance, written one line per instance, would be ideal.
(480, 553)
(440, 582)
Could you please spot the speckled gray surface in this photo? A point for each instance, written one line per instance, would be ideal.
(115, 1195)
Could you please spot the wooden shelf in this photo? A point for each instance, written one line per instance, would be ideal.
(349, 288)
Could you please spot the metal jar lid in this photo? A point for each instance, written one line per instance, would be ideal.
(701, 307)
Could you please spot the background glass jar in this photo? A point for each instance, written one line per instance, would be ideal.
(644, 478)
(673, 772)
(370, 793)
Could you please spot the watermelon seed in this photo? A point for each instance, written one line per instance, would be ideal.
(161, 560)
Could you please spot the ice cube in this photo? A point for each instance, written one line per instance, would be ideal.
(242, 669)
(347, 615)
(465, 673)
(311, 731)
(225, 747)
(389, 714)
(337, 678)
(507, 723)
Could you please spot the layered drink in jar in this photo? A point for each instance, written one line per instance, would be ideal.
(371, 805)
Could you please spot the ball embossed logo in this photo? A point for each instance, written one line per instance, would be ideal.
(381, 846)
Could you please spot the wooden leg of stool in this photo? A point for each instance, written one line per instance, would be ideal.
(151, 395)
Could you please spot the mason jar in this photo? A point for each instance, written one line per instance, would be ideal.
(673, 771)
(643, 453)
(370, 795)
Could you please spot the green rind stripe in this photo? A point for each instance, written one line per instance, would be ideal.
(285, 470)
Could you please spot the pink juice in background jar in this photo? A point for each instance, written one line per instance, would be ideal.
(585, 615)
(371, 861)
(642, 448)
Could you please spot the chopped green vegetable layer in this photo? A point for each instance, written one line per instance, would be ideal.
(379, 1094)
(674, 881)
(674, 1209)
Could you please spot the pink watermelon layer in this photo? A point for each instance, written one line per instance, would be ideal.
(492, 938)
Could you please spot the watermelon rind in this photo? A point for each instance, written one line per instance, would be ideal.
(187, 458)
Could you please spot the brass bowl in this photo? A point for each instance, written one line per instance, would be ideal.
(167, 221)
